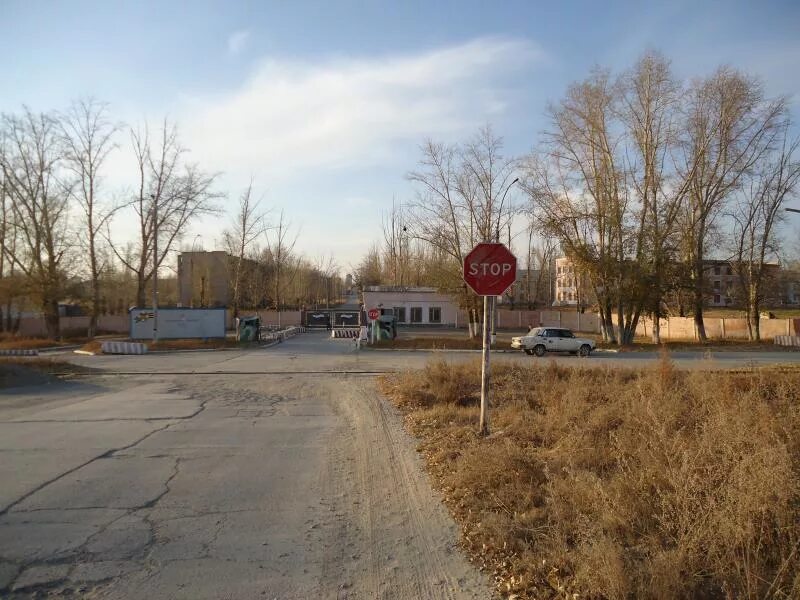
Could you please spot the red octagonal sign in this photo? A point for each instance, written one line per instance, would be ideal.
(490, 269)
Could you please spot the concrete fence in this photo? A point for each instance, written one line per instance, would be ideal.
(289, 318)
(35, 326)
(717, 328)
(522, 319)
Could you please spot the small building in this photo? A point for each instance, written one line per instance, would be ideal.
(412, 305)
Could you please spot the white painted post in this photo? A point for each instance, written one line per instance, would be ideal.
(487, 312)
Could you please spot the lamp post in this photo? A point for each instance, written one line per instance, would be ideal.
(794, 210)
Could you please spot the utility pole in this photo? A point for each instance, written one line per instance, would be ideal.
(155, 268)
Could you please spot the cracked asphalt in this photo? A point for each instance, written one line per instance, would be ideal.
(274, 479)
(273, 472)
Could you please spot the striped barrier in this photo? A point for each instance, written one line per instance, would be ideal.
(787, 340)
(279, 336)
(345, 333)
(123, 348)
(18, 352)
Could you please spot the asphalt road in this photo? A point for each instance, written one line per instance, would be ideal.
(296, 484)
(269, 473)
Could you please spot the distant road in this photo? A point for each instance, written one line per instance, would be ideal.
(317, 352)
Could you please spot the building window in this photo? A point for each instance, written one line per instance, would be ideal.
(434, 314)
(400, 313)
(728, 270)
(716, 270)
(416, 314)
(716, 298)
(716, 286)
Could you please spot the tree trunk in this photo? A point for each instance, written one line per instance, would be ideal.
(51, 320)
(656, 327)
(754, 313)
(141, 285)
(92, 331)
(698, 314)
(698, 274)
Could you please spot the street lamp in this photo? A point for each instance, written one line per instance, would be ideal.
(500, 212)
(795, 210)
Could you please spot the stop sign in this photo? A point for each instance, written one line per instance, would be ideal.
(489, 269)
(373, 313)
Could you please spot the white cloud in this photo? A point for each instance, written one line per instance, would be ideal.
(237, 41)
(290, 116)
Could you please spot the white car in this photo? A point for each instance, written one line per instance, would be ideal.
(540, 340)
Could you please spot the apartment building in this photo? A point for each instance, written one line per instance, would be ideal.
(572, 287)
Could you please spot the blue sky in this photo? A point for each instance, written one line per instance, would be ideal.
(325, 103)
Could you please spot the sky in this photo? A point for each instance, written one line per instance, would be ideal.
(324, 104)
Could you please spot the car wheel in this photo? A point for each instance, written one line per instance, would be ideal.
(585, 350)
(528, 351)
(539, 350)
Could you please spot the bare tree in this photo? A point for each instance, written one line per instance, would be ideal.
(280, 245)
(461, 200)
(180, 191)
(728, 125)
(11, 288)
(87, 135)
(577, 185)
(649, 102)
(31, 160)
(250, 224)
(756, 218)
(395, 244)
(538, 279)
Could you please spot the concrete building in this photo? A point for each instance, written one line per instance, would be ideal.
(722, 282)
(723, 289)
(412, 305)
(572, 287)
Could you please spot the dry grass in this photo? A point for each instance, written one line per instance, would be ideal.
(193, 344)
(618, 483)
(19, 371)
(28, 343)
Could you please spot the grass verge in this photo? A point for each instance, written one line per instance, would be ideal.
(21, 371)
(653, 483)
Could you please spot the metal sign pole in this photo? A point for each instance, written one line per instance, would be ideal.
(155, 268)
(484, 423)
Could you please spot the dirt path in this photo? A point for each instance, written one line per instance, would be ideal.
(242, 486)
(388, 535)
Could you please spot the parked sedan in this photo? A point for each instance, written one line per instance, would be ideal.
(540, 340)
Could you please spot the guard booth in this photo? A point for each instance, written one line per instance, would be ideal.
(385, 327)
(332, 318)
(248, 329)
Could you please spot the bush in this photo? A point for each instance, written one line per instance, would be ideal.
(618, 483)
